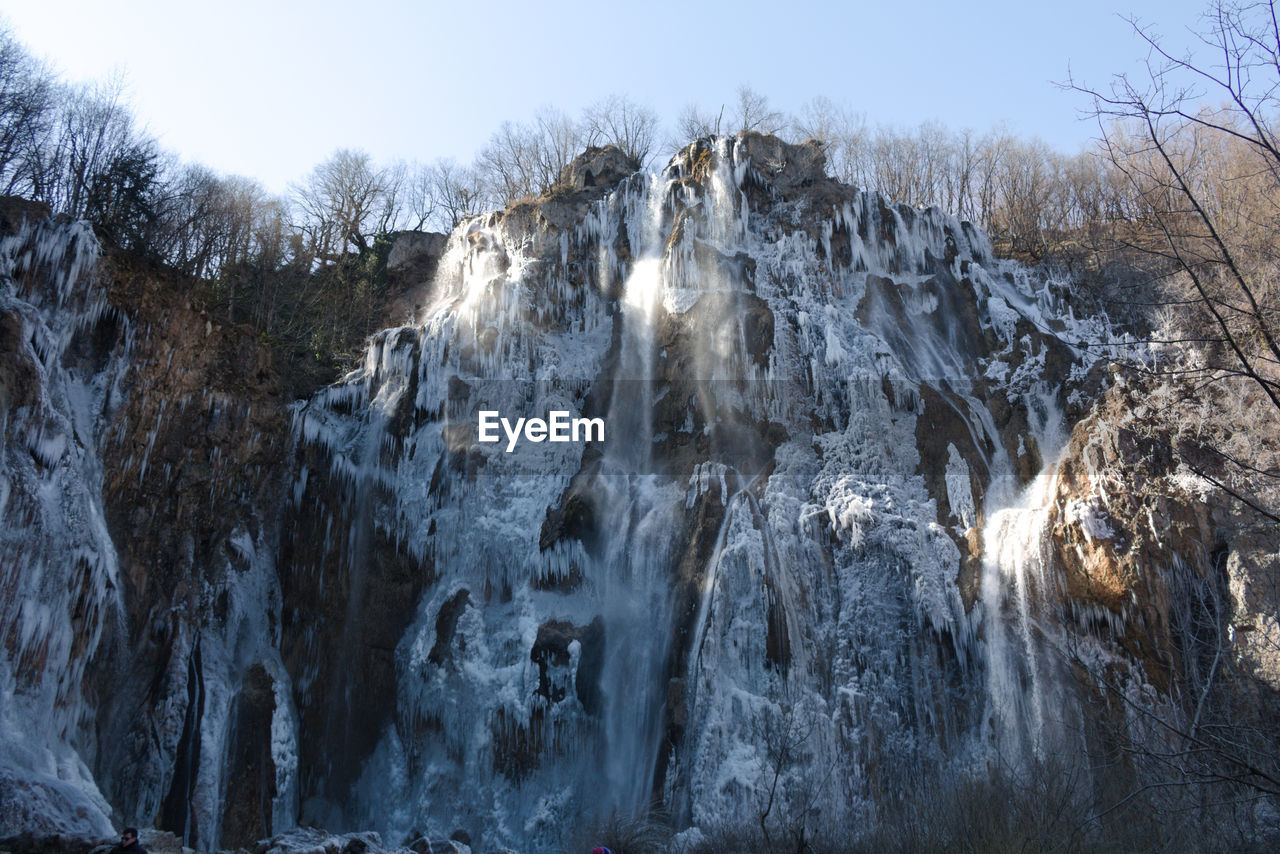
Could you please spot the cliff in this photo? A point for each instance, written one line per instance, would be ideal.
(870, 508)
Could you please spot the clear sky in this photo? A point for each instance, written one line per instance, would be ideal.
(269, 89)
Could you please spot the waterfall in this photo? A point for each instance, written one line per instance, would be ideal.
(637, 505)
(1034, 713)
(59, 574)
(749, 603)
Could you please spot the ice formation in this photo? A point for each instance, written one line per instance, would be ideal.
(817, 403)
(765, 587)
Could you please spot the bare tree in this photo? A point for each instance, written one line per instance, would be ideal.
(694, 123)
(213, 222)
(421, 199)
(1025, 183)
(749, 112)
(557, 140)
(459, 192)
(93, 128)
(617, 120)
(1022, 191)
(1197, 145)
(959, 184)
(793, 782)
(346, 201)
(509, 163)
(526, 160)
(842, 132)
(27, 99)
(752, 112)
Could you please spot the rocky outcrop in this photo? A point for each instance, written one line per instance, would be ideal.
(788, 169)
(315, 840)
(822, 389)
(598, 170)
(353, 591)
(192, 457)
(15, 211)
(411, 266)
(1135, 533)
(180, 424)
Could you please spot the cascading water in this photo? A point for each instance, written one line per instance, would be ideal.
(751, 578)
(749, 601)
(636, 505)
(59, 577)
(1020, 681)
(1033, 714)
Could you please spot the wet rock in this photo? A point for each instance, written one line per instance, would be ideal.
(415, 254)
(970, 578)
(757, 330)
(19, 376)
(787, 167)
(446, 626)
(411, 266)
(423, 845)
(342, 624)
(552, 655)
(939, 428)
(314, 840)
(247, 811)
(586, 682)
(160, 842)
(598, 169)
(1117, 546)
(15, 210)
(519, 744)
(573, 519)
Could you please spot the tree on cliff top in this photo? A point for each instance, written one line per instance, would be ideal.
(1195, 139)
(1198, 144)
(346, 201)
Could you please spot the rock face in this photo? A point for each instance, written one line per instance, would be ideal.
(837, 536)
(598, 168)
(809, 397)
(141, 607)
(15, 211)
(411, 266)
(191, 458)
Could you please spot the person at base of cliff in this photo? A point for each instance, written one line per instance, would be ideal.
(600, 849)
(129, 843)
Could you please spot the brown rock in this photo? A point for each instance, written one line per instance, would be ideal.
(14, 210)
(598, 169)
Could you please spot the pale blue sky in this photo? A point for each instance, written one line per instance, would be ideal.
(269, 89)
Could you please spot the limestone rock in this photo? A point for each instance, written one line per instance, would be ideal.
(598, 168)
(415, 254)
(411, 266)
(788, 167)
